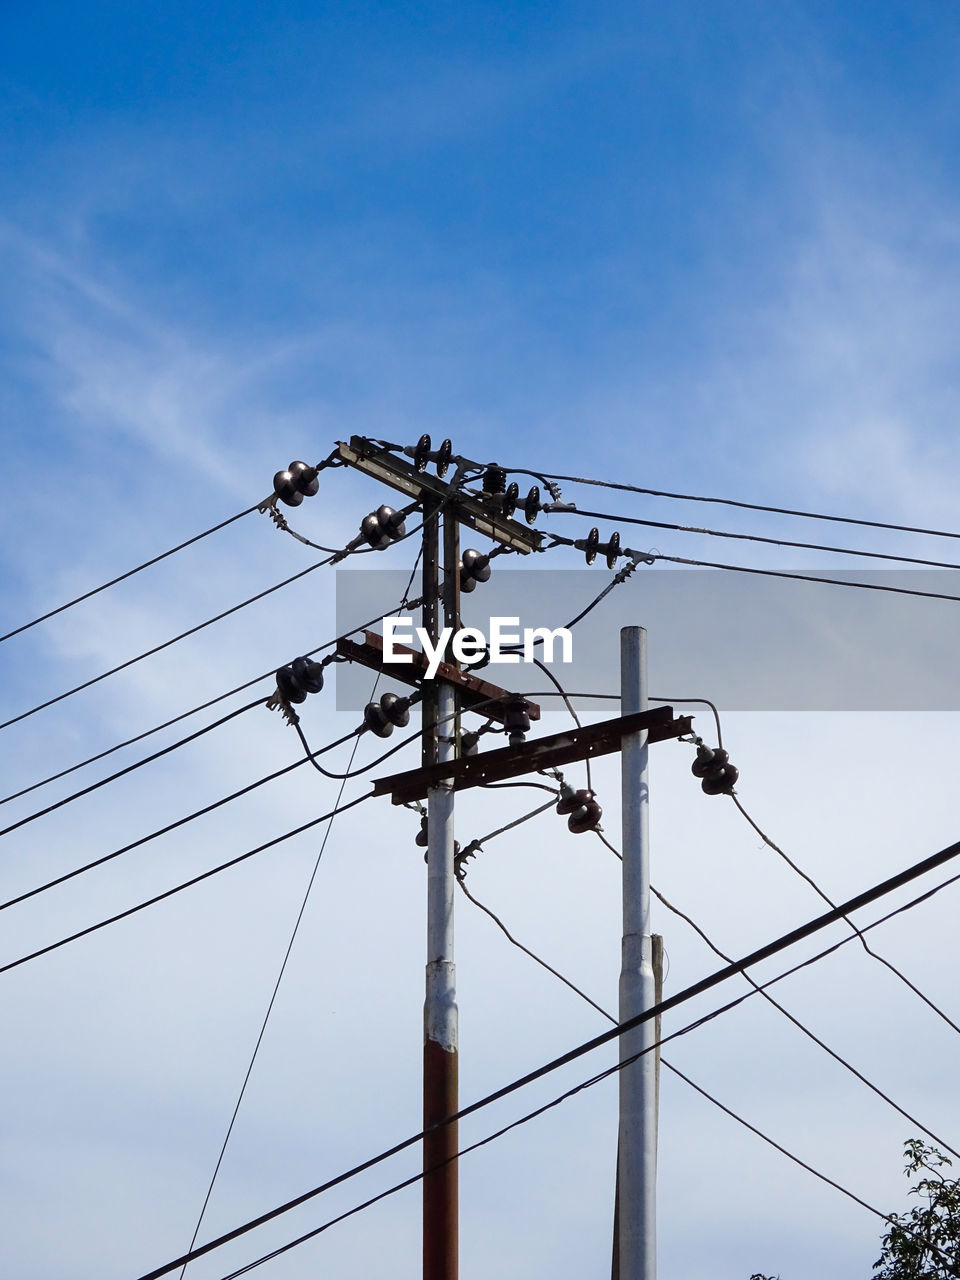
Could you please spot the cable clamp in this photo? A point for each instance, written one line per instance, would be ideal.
(277, 702)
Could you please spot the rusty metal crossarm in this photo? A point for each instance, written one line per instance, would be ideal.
(401, 475)
(544, 753)
(474, 693)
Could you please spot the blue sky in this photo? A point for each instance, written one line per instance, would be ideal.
(704, 248)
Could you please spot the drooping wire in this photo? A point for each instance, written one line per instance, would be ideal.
(670, 1067)
(875, 893)
(52, 613)
(748, 506)
(829, 901)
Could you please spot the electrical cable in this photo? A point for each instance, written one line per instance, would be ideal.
(798, 577)
(863, 942)
(697, 988)
(86, 684)
(122, 666)
(186, 884)
(271, 674)
(283, 966)
(670, 1067)
(568, 704)
(95, 786)
(748, 506)
(756, 537)
(153, 835)
(805, 1029)
(129, 574)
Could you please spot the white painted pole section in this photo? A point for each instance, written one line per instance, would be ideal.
(440, 1009)
(638, 1082)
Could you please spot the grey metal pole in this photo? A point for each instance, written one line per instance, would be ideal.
(638, 1082)
(440, 1040)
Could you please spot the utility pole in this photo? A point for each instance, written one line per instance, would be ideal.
(440, 1096)
(637, 1195)
(443, 772)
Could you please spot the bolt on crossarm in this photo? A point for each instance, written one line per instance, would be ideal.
(440, 1076)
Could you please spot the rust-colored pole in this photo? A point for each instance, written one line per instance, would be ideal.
(440, 1093)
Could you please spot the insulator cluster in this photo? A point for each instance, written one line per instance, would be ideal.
(591, 546)
(383, 526)
(300, 677)
(506, 497)
(422, 453)
(584, 813)
(474, 568)
(390, 712)
(712, 766)
(299, 481)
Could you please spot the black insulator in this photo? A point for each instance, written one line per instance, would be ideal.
(582, 807)
(396, 709)
(421, 454)
(444, 454)
(712, 766)
(725, 782)
(376, 720)
(592, 544)
(381, 527)
(612, 550)
(421, 838)
(586, 816)
(392, 522)
(516, 722)
(371, 531)
(511, 498)
(494, 479)
(305, 478)
(474, 568)
(308, 674)
(285, 487)
(300, 677)
(531, 505)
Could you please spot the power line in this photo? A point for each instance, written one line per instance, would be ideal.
(829, 901)
(805, 1029)
(148, 653)
(748, 506)
(186, 884)
(756, 537)
(759, 989)
(799, 577)
(86, 684)
(293, 937)
(129, 574)
(184, 715)
(137, 764)
(670, 1067)
(875, 893)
